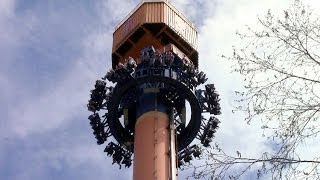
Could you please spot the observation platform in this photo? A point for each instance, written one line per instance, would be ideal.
(155, 23)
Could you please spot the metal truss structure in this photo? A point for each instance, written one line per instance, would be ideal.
(173, 81)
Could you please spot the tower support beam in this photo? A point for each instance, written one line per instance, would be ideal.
(152, 155)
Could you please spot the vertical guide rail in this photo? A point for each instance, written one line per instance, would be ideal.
(172, 148)
(155, 137)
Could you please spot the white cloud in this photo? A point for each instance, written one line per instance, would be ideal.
(65, 98)
(217, 36)
(113, 11)
(59, 102)
(6, 9)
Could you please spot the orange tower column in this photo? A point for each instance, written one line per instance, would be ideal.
(151, 147)
(155, 72)
(154, 139)
(160, 25)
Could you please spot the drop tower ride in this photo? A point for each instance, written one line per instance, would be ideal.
(154, 109)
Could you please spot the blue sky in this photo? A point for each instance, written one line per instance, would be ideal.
(51, 53)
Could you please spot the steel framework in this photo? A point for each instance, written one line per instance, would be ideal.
(173, 81)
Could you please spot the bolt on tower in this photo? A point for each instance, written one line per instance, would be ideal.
(155, 76)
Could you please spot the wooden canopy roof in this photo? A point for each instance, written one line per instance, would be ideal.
(155, 23)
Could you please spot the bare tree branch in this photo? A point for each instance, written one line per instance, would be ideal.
(280, 64)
